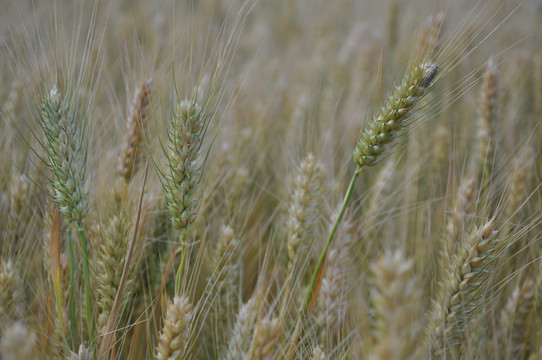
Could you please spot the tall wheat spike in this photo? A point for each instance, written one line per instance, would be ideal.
(461, 290)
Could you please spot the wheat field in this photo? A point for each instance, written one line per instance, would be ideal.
(244, 179)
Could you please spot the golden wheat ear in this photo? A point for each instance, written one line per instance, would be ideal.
(264, 338)
(396, 298)
(110, 262)
(131, 152)
(303, 205)
(173, 339)
(490, 115)
(461, 291)
(242, 331)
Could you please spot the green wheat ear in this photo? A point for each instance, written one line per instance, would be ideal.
(183, 173)
(382, 130)
(66, 159)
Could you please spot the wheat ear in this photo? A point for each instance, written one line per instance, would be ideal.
(382, 130)
(514, 212)
(222, 287)
(265, 335)
(514, 322)
(396, 298)
(18, 342)
(490, 113)
(14, 99)
(331, 304)
(427, 43)
(110, 262)
(379, 195)
(11, 292)
(183, 171)
(67, 162)
(242, 330)
(458, 220)
(303, 205)
(83, 354)
(19, 209)
(177, 325)
(519, 184)
(131, 154)
(460, 292)
(318, 353)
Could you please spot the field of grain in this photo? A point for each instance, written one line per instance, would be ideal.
(272, 179)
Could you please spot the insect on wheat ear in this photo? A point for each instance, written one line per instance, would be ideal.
(429, 76)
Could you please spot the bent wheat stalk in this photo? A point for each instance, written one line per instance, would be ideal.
(378, 135)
